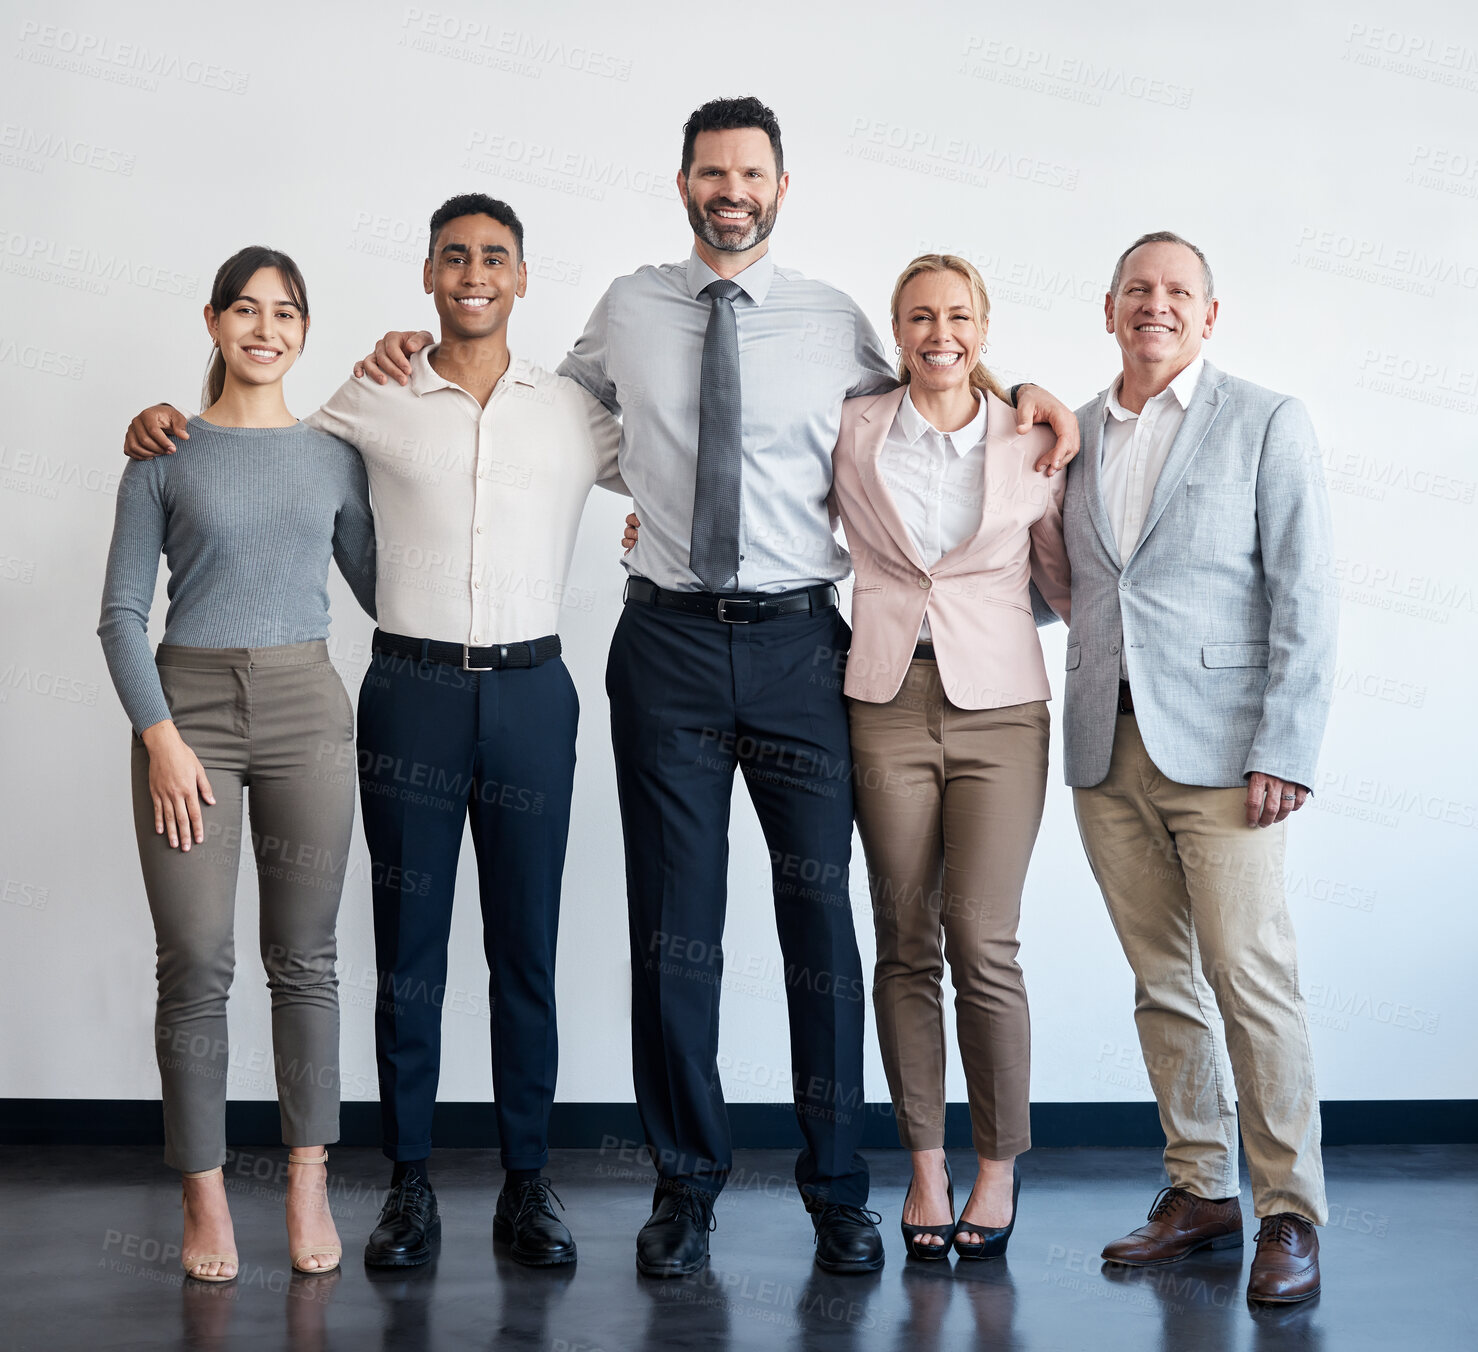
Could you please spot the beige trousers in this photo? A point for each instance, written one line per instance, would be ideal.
(1197, 897)
(948, 804)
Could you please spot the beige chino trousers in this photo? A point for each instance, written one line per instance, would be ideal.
(1197, 898)
(948, 803)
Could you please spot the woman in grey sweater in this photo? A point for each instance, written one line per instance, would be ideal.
(241, 693)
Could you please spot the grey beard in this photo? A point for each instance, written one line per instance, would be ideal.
(758, 231)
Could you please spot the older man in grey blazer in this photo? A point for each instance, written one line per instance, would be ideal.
(1199, 669)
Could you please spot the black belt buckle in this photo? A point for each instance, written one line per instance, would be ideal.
(467, 659)
(734, 601)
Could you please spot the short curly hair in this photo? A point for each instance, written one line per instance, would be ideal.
(732, 115)
(475, 204)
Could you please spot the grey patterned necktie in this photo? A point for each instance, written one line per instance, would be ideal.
(714, 552)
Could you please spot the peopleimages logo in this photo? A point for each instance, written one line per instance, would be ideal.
(83, 268)
(104, 57)
(33, 148)
(1073, 78)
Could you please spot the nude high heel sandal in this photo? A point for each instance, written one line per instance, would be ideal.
(309, 1250)
(191, 1261)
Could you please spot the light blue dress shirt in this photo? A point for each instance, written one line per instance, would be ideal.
(804, 347)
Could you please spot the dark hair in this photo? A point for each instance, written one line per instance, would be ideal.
(475, 204)
(732, 115)
(1164, 237)
(231, 279)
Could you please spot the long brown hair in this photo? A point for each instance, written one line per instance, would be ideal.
(231, 279)
(980, 378)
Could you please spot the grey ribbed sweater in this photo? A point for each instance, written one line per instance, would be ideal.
(248, 518)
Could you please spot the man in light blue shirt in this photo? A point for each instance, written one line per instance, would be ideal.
(735, 669)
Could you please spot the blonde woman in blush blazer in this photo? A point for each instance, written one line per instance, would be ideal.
(948, 524)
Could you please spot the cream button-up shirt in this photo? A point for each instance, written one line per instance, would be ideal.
(476, 508)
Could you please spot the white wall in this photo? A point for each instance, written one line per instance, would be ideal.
(1326, 157)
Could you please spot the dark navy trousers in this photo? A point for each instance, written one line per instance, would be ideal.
(439, 746)
(692, 700)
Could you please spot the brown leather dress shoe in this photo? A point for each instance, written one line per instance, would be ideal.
(1179, 1223)
(1286, 1265)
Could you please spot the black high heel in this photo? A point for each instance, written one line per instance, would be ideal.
(929, 1253)
(993, 1242)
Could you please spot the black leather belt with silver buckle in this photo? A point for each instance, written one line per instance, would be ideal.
(1126, 698)
(738, 607)
(501, 656)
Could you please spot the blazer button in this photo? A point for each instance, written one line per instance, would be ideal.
(925, 580)
(1114, 648)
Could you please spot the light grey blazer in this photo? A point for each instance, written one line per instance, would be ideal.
(1225, 609)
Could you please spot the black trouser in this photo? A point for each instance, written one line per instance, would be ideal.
(436, 745)
(691, 699)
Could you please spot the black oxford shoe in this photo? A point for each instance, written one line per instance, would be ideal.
(674, 1242)
(409, 1231)
(847, 1238)
(525, 1219)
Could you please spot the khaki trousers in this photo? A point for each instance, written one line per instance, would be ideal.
(948, 803)
(1197, 898)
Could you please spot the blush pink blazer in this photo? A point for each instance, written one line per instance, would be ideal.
(976, 598)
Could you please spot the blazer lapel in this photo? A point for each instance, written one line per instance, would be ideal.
(1206, 402)
(1000, 436)
(867, 448)
(1091, 456)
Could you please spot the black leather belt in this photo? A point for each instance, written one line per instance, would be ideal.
(503, 655)
(736, 607)
(1126, 698)
(923, 652)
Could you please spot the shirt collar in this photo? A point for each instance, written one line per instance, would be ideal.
(1181, 388)
(915, 425)
(754, 281)
(424, 377)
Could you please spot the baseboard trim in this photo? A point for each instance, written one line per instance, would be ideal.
(754, 1125)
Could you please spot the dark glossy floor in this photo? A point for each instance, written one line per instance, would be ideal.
(81, 1235)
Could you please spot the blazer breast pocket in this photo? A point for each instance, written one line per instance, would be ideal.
(1219, 489)
(1074, 657)
(1234, 655)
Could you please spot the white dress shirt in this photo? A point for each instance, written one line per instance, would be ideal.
(1135, 446)
(937, 480)
(476, 508)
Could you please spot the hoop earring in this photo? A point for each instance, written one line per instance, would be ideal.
(897, 348)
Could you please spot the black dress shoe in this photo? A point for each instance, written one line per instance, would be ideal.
(992, 1242)
(409, 1231)
(674, 1241)
(847, 1238)
(526, 1220)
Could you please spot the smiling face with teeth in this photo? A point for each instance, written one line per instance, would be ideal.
(938, 331)
(261, 332)
(1160, 313)
(474, 275)
(732, 193)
